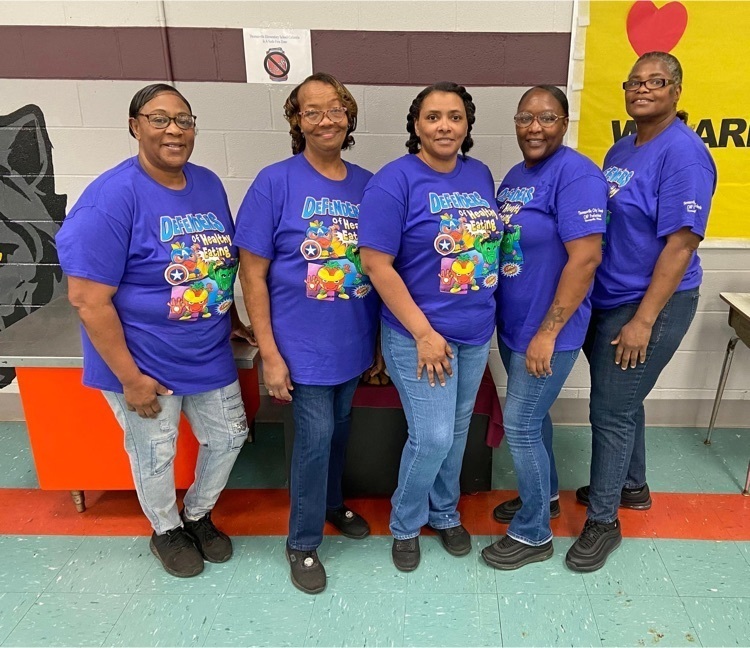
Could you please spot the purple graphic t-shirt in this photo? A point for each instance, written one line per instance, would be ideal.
(171, 256)
(443, 230)
(324, 310)
(543, 207)
(654, 190)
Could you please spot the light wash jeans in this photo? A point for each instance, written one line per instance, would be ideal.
(219, 424)
(528, 431)
(322, 422)
(616, 406)
(438, 417)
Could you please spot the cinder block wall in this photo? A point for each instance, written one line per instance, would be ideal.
(82, 80)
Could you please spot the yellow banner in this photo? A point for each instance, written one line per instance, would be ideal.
(711, 41)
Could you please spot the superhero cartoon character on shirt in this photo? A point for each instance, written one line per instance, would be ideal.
(223, 273)
(352, 253)
(189, 259)
(456, 229)
(330, 280)
(196, 301)
(322, 236)
(512, 259)
(488, 247)
(460, 275)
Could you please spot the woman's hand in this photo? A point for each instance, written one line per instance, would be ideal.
(378, 364)
(631, 342)
(140, 396)
(539, 355)
(434, 353)
(277, 379)
(243, 332)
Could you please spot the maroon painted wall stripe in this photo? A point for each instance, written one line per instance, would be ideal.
(358, 57)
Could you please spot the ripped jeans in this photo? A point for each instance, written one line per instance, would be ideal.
(218, 420)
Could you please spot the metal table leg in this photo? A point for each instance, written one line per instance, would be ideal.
(722, 383)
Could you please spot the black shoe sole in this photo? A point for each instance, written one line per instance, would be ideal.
(297, 584)
(451, 550)
(348, 535)
(594, 566)
(532, 558)
(169, 570)
(623, 505)
(507, 520)
(403, 568)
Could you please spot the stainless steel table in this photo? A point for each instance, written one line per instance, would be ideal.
(739, 320)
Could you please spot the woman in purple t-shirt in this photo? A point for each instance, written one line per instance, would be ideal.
(313, 309)
(151, 263)
(645, 295)
(553, 207)
(430, 238)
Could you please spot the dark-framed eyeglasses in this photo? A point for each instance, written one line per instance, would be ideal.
(316, 116)
(161, 121)
(545, 119)
(652, 84)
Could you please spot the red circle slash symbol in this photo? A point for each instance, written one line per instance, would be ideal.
(276, 64)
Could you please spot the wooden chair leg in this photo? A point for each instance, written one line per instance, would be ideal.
(746, 492)
(79, 499)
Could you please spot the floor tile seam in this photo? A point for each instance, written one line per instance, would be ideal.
(67, 562)
(696, 635)
(744, 554)
(216, 614)
(664, 564)
(23, 616)
(105, 641)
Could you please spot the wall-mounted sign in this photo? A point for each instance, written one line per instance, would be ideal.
(277, 55)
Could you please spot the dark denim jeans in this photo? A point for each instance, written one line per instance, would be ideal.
(616, 407)
(322, 416)
(528, 431)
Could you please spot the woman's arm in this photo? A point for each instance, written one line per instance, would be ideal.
(633, 338)
(253, 274)
(433, 352)
(584, 256)
(93, 301)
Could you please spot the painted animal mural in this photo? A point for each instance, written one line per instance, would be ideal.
(30, 215)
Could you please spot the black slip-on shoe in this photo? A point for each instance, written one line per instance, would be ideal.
(406, 554)
(214, 545)
(456, 540)
(349, 523)
(596, 542)
(638, 499)
(308, 573)
(508, 553)
(505, 511)
(177, 553)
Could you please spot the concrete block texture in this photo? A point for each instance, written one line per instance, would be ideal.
(210, 151)
(143, 13)
(229, 106)
(408, 15)
(22, 12)
(248, 153)
(88, 151)
(57, 99)
(514, 16)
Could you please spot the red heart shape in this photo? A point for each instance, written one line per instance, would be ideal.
(656, 29)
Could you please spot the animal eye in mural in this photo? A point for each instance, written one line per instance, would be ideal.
(30, 215)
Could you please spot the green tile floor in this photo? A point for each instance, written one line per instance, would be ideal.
(110, 591)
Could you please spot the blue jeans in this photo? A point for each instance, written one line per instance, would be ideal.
(322, 417)
(438, 418)
(528, 431)
(218, 420)
(616, 407)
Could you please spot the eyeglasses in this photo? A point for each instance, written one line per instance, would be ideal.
(160, 121)
(545, 119)
(652, 84)
(316, 116)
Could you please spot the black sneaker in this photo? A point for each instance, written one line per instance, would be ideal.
(596, 542)
(456, 540)
(349, 523)
(308, 573)
(215, 546)
(505, 511)
(177, 553)
(638, 499)
(405, 554)
(508, 553)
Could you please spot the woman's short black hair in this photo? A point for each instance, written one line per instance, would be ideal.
(291, 111)
(144, 95)
(558, 94)
(413, 144)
